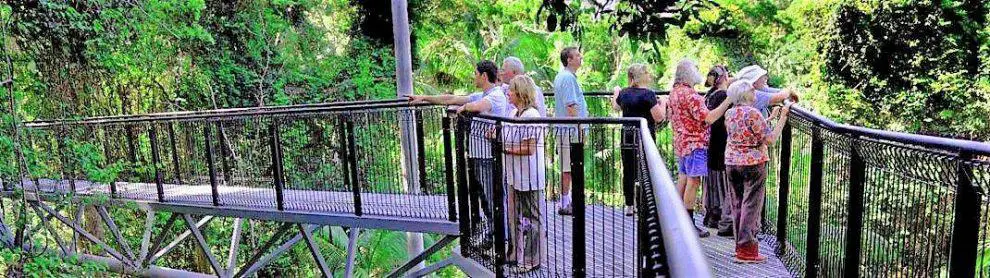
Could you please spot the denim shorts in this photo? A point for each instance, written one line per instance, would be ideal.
(694, 164)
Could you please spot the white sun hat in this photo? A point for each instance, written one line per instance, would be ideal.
(751, 73)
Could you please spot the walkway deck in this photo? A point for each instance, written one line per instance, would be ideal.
(720, 251)
(607, 227)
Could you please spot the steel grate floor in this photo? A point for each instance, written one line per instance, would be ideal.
(720, 251)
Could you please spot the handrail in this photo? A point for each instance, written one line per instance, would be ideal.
(274, 111)
(213, 112)
(948, 144)
(575, 120)
(684, 255)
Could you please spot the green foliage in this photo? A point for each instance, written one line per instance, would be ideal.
(91, 161)
(15, 264)
(912, 56)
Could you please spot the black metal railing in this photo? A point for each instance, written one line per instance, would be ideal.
(598, 240)
(858, 202)
(344, 158)
(339, 158)
(855, 202)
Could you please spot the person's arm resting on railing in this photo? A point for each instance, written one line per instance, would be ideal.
(781, 95)
(480, 106)
(779, 127)
(440, 99)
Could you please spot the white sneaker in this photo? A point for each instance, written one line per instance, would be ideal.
(630, 210)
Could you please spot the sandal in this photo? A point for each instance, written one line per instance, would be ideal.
(525, 268)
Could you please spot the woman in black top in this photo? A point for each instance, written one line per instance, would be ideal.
(636, 101)
(717, 211)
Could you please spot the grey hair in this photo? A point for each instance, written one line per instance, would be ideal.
(514, 64)
(741, 92)
(687, 73)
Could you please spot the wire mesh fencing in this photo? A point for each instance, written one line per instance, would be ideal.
(871, 203)
(322, 158)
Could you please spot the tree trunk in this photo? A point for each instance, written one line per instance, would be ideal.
(93, 225)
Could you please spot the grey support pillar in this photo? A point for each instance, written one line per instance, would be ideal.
(404, 86)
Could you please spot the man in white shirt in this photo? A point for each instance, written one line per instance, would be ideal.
(490, 101)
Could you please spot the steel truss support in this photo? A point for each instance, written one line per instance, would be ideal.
(175, 242)
(422, 256)
(204, 247)
(71, 224)
(140, 260)
(116, 232)
(315, 249)
(352, 237)
(260, 261)
(235, 242)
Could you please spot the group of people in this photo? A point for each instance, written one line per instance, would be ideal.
(721, 137)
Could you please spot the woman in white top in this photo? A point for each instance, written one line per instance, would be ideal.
(525, 174)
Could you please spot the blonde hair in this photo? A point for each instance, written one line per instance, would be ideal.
(525, 89)
(638, 74)
(687, 73)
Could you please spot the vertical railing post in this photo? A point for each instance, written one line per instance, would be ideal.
(352, 150)
(278, 169)
(448, 169)
(344, 150)
(460, 146)
(498, 200)
(579, 266)
(175, 153)
(155, 160)
(421, 151)
(107, 154)
(210, 163)
(783, 187)
(966, 227)
(854, 233)
(815, 202)
(225, 151)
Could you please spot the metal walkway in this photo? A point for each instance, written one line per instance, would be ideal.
(720, 250)
(603, 234)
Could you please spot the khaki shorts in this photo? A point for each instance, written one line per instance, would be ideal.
(564, 140)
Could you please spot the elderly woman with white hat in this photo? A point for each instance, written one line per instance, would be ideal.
(766, 96)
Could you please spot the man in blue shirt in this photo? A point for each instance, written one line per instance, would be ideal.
(569, 101)
(765, 95)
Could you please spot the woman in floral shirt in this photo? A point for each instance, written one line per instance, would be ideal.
(690, 119)
(746, 164)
